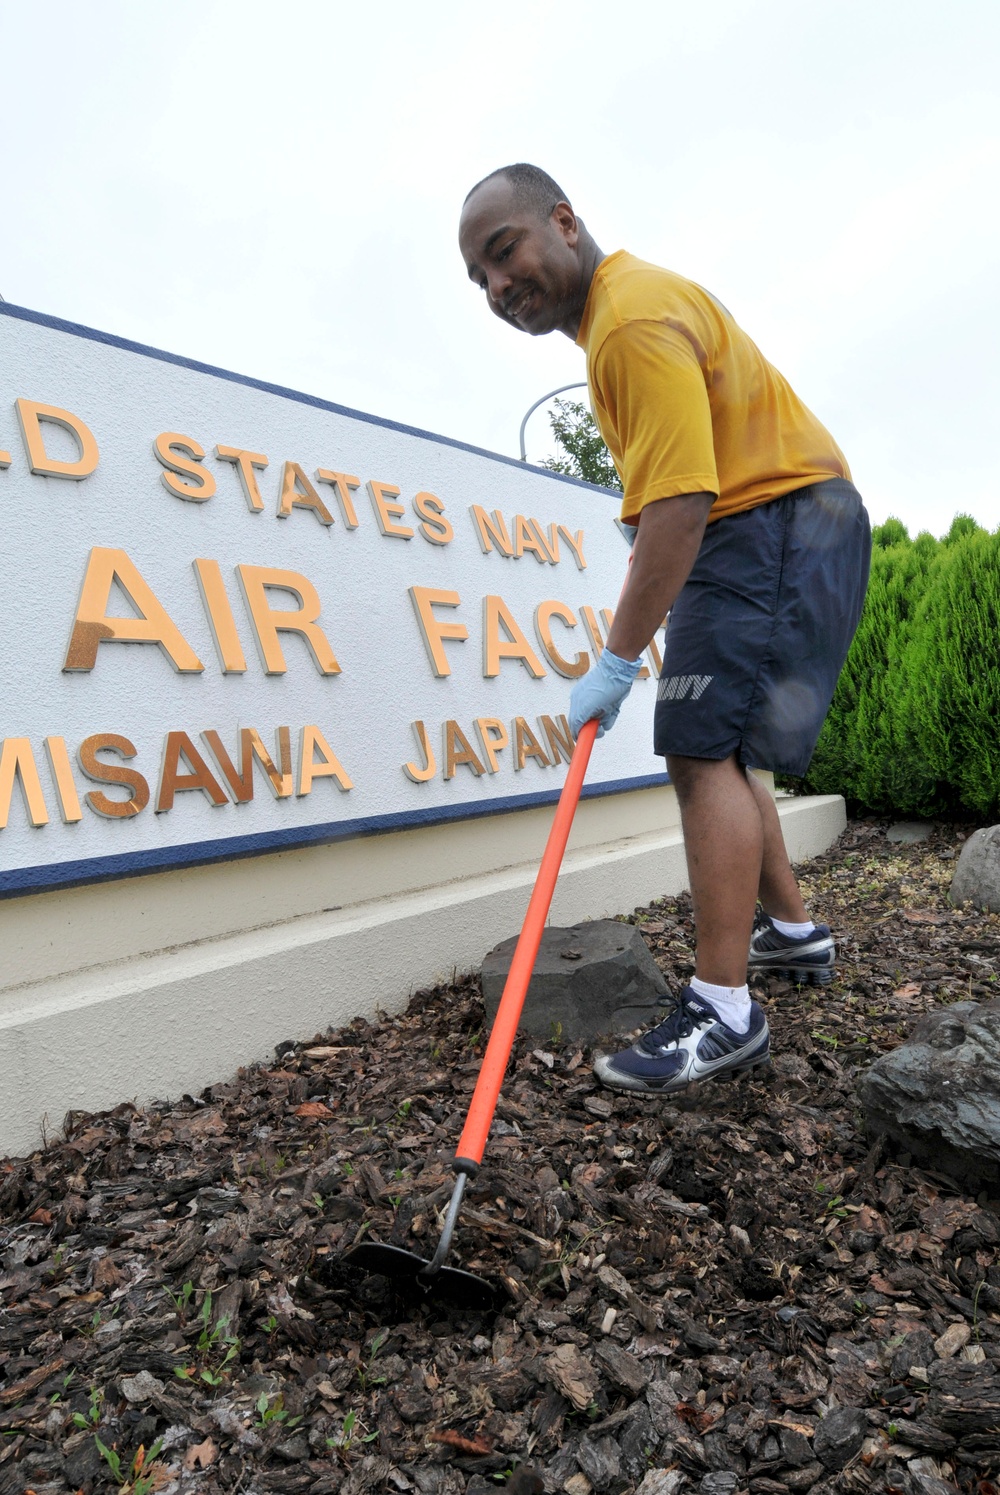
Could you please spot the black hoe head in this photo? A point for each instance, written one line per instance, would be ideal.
(409, 1271)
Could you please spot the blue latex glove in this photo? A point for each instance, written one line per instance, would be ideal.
(601, 692)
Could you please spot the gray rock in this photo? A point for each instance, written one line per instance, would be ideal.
(839, 1436)
(589, 980)
(977, 876)
(938, 1094)
(909, 832)
(662, 1482)
(719, 1482)
(142, 1387)
(293, 1450)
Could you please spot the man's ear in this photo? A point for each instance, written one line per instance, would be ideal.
(567, 222)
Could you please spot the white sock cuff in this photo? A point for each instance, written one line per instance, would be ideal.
(793, 931)
(732, 1003)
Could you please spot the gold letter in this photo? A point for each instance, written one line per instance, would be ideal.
(112, 773)
(527, 745)
(493, 736)
(252, 749)
(575, 544)
(421, 775)
(343, 482)
(29, 414)
(559, 738)
(550, 540)
(178, 745)
(458, 749)
(432, 630)
(220, 616)
(329, 765)
(435, 528)
(528, 537)
(386, 512)
(245, 464)
(92, 626)
(69, 800)
(164, 449)
(269, 622)
(544, 613)
(303, 496)
(492, 533)
(17, 760)
(591, 625)
(497, 614)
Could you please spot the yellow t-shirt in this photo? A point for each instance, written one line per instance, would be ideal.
(686, 402)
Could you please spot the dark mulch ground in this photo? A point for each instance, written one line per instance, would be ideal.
(689, 1287)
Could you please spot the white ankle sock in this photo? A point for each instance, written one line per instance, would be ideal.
(793, 931)
(732, 1003)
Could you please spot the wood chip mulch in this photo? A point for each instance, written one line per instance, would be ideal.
(734, 1291)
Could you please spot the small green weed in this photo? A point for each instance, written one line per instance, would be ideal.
(273, 1410)
(92, 1416)
(347, 1436)
(141, 1476)
(214, 1349)
(365, 1377)
(181, 1300)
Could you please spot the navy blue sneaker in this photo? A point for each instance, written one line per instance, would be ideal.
(811, 958)
(692, 1043)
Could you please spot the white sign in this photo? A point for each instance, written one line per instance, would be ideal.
(239, 619)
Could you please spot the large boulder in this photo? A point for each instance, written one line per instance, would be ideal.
(589, 980)
(977, 876)
(938, 1094)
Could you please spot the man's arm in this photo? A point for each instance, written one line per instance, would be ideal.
(670, 535)
(668, 539)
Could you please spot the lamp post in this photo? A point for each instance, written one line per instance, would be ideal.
(552, 392)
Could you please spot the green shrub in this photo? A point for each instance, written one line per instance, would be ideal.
(914, 727)
(949, 705)
(857, 753)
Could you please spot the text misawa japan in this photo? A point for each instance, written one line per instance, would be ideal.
(240, 619)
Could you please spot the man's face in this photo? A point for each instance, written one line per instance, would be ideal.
(528, 266)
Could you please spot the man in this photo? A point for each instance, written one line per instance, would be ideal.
(749, 532)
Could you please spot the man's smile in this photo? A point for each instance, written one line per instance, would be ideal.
(517, 303)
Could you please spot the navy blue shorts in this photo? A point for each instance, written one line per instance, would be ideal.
(760, 632)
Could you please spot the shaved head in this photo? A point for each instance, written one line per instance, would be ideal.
(532, 188)
(525, 247)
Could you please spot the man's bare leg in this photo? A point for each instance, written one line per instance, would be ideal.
(724, 839)
(778, 892)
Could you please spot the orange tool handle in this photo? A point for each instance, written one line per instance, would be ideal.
(472, 1143)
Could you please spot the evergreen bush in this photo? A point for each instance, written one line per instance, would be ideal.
(949, 702)
(914, 727)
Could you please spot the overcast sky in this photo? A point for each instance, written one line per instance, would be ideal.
(275, 190)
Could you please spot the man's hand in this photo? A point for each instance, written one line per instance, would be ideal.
(601, 692)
